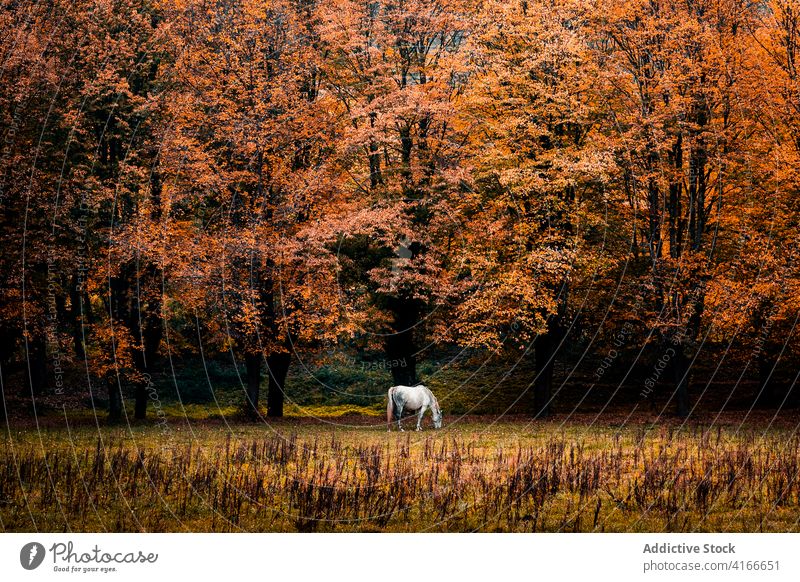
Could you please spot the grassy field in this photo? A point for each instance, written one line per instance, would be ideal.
(346, 473)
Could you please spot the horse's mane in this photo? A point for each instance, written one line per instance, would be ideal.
(433, 397)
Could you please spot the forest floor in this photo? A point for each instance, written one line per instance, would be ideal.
(345, 472)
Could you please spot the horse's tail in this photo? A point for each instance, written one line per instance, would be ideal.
(390, 408)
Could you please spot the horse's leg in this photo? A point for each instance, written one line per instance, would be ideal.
(421, 414)
(399, 417)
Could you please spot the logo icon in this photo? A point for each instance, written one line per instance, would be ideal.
(31, 555)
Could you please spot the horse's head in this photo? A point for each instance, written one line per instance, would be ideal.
(437, 416)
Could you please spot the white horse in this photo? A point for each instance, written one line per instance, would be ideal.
(412, 398)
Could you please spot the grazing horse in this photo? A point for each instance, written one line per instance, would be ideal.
(412, 398)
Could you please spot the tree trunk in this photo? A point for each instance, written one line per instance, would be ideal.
(120, 315)
(277, 368)
(375, 177)
(253, 364)
(544, 350)
(767, 397)
(37, 366)
(77, 318)
(400, 347)
(114, 401)
(8, 345)
(680, 368)
(140, 407)
(147, 324)
(149, 334)
(674, 206)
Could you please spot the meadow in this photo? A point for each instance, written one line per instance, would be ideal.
(347, 473)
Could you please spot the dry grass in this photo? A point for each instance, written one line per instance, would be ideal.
(320, 476)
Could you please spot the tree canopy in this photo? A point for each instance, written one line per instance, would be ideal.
(606, 190)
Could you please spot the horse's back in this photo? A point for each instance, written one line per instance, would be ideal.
(412, 397)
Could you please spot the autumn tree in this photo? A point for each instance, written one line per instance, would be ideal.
(251, 134)
(673, 72)
(755, 291)
(85, 92)
(540, 170)
(396, 69)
